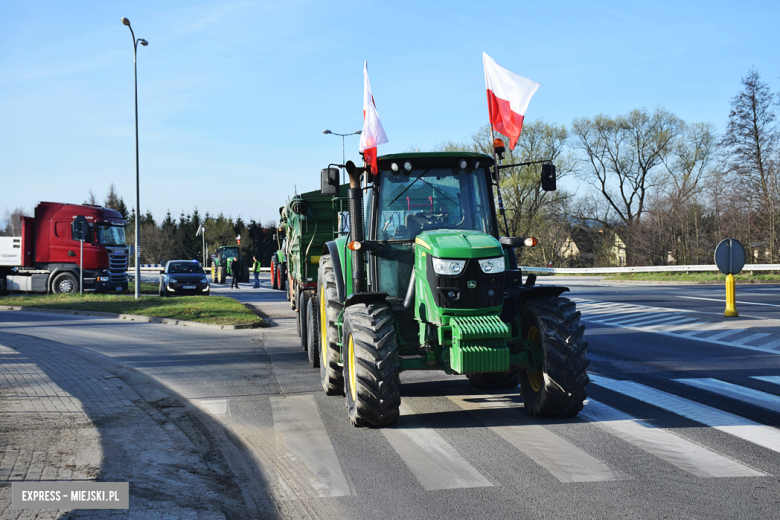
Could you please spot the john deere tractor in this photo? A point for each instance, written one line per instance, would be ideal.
(425, 282)
(222, 265)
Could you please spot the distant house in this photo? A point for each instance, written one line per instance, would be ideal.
(594, 247)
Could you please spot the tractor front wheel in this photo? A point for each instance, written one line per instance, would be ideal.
(371, 366)
(558, 388)
(331, 374)
(220, 274)
(274, 279)
(313, 331)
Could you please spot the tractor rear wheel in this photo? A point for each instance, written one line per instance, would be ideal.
(371, 366)
(558, 390)
(245, 274)
(313, 331)
(331, 374)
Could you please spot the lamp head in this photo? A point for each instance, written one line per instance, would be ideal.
(326, 131)
(359, 132)
(126, 21)
(143, 42)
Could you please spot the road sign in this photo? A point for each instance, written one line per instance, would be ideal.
(730, 256)
(80, 228)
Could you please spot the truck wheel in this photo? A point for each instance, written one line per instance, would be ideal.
(313, 331)
(371, 365)
(303, 303)
(558, 390)
(274, 279)
(65, 283)
(281, 279)
(506, 379)
(331, 374)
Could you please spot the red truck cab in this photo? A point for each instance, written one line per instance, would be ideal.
(51, 257)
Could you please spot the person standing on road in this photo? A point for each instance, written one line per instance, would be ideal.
(256, 270)
(236, 268)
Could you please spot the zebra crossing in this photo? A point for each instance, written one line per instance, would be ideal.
(436, 464)
(677, 323)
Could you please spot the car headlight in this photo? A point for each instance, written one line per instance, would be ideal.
(204, 280)
(492, 265)
(448, 267)
(172, 280)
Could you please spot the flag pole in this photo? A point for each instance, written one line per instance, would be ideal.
(496, 162)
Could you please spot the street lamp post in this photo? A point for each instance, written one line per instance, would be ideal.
(326, 131)
(137, 185)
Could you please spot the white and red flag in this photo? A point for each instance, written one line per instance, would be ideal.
(373, 134)
(508, 97)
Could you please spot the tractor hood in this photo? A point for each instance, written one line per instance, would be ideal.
(446, 243)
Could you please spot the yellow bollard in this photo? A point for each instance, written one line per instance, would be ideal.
(731, 297)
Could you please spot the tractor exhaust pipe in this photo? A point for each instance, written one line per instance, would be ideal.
(356, 230)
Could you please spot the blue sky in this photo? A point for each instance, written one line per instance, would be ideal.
(233, 96)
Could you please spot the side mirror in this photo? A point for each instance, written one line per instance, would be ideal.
(548, 177)
(330, 181)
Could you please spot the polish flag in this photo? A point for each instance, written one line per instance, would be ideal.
(373, 134)
(508, 96)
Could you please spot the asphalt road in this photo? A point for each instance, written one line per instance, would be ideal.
(682, 421)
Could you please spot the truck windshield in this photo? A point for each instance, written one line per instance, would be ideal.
(432, 198)
(110, 235)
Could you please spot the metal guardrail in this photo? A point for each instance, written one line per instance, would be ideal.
(644, 269)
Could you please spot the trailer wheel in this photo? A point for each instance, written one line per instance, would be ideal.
(331, 374)
(558, 390)
(65, 283)
(303, 300)
(371, 366)
(313, 331)
(274, 280)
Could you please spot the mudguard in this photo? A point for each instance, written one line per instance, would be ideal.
(332, 249)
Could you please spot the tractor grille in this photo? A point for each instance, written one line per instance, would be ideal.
(117, 265)
(465, 297)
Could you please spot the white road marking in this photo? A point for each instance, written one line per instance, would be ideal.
(746, 339)
(741, 393)
(435, 463)
(214, 406)
(728, 332)
(726, 422)
(724, 301)
(301, 431)
(563, 460)
(663, 444)
(769, 379)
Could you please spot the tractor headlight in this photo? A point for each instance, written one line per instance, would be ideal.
(448, 267)
(492, 265)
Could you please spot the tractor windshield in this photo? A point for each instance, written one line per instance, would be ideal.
(432, 198)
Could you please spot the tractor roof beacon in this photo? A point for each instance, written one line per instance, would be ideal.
(423, 281)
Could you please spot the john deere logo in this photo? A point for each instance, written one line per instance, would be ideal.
(471, 284)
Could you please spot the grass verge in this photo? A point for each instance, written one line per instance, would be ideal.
(708, 277)
(212, 309)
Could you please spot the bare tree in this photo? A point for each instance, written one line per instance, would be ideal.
(751, 144)
(625, 154)
(91, 199)
(13, 222)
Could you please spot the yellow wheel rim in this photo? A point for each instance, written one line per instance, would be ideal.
(535, 379)
(351, 364)
(323, 328)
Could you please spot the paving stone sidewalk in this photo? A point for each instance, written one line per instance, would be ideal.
(65, 419)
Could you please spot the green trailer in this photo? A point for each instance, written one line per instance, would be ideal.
(309, 221)
(425, 282)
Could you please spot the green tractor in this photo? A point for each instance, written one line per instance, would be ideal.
(222, 265)
(425, 282)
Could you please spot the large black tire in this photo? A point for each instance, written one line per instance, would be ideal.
(560, 389)
(313, 331)
(244, 274)
(331, 374)
(274, 278)
(281, 276)
(371, 381)
(303, 301)
(65, 283)
(220, 274)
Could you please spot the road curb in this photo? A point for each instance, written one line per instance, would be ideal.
(132, 317)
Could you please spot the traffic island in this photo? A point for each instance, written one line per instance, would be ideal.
(215, 311)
